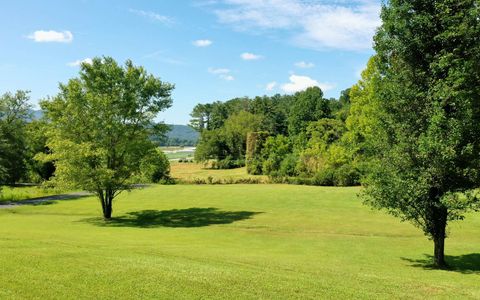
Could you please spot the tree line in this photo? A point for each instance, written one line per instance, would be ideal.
(298, 135)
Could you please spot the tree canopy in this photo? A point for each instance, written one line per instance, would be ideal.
(15, 112)
(100, 126)
(429, 107)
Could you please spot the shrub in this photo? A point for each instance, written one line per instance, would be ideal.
(288, 165)
(325, 177)
(346, 175)
(228, 163)
(155, 167)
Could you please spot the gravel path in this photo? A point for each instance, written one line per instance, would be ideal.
(40, 200)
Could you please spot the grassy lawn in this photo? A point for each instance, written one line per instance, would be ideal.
(18, 193)
(228, 241)
(190, 171)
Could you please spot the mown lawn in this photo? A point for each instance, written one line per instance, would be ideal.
(228, 241)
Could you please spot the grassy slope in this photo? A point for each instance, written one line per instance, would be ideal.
(190, 171)
(306, 242)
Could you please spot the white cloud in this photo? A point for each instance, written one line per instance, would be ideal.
(202, 43)
(153, 16)
(322, 24)
(218, 71)
(304, 65)
(223, 73)
(250, 56)
(227, 77)
(299, 83)
(271, 85)
(44, 36)
(79, 62)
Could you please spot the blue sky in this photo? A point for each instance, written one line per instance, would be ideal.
(210, 49)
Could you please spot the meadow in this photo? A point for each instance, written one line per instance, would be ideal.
(229, 241)
(176, 153)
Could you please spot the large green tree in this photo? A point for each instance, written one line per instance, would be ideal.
(309, 105)
(100, 124)
(15, 112)
(429, 107)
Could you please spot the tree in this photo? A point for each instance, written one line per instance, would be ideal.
(100, 124)
(429, 108)
(14, 114)
(212, 145)
(308, 106)
(236, 128)
(201, 114)
(363, 117)
(155, 166)
(36, 142)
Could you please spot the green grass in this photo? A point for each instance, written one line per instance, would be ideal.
(174, 153)
(228, 241)
(19, 193)
(190, 171)
(179, 155)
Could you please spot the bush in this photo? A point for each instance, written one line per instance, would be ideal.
(254, 167)
(155, 167)
(346, 175)
(288, 165)
(228, 163)
(325, 177)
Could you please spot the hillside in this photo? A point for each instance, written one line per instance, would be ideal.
(183, 132)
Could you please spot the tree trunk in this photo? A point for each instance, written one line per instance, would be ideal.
(439, 252)
(439, 233)
(107, 212)
(106, 199)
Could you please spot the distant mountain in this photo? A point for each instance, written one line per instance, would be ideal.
(183, 132)
(36, 114)
(180, 135)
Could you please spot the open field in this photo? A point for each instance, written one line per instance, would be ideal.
(228, 241)
(175, 153)
(18, 193)
(190, 171)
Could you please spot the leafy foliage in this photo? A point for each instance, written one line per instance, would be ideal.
(100, 124)
(14, 114)
(155, 166)
(429, 109)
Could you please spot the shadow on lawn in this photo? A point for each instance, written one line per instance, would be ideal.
(189, 217)
(466, 264)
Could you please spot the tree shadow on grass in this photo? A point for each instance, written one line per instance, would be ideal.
(466, 264)
(189, 217)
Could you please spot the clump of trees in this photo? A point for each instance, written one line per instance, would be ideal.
(21, 138)
(290, 135)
